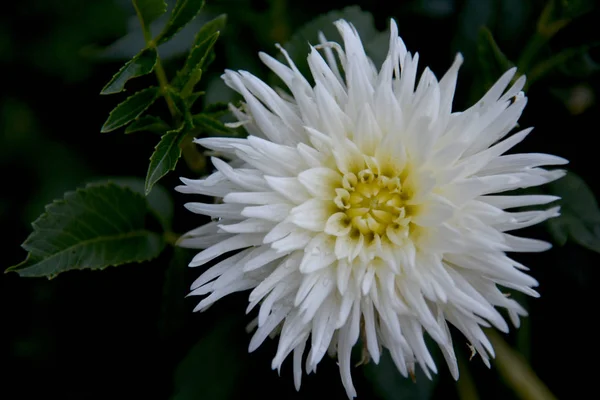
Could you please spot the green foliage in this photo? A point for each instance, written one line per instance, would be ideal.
(150, 10)
(217, 110)
(209, 28)
(199, 56)
(165, 157)
(94, 227)
(147, 123)
(580, 216)
(183, 12)
(195, 61)
(139, 65)
(130, 109)
(208, 124)
(179, 94)
(182, 107)
(160, 203)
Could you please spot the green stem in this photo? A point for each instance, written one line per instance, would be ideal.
(195, 160)
(171, 238)
(164, 85)
(517, 373)
(158, 68)
(465, 386)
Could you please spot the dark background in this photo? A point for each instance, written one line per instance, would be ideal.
(121, 333)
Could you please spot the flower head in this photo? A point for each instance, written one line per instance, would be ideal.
(364, 206)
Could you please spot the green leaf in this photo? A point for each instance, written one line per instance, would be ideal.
(214, 366)
(140, 65)
(183, 13)
(91, 228)
(183, 107)
(165, 157)
(150, 10)
(212, 125)
(192, 70)
(130, 109)
(192, 79)
(208, 29)
(217, 109)
(199, 56)
(192, 98)
(580, 216)
(160, 203)
(147, 123)
(389, 384)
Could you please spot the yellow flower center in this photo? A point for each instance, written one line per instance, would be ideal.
(370, 203)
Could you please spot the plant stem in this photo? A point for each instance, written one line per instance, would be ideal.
(171, 238)
(195, 160)
(517, 373)
(158, 68)
(465, 386)
(164, 85)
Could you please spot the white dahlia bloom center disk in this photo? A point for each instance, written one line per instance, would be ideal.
(361, 205)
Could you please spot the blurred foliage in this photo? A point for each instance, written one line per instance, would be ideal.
(129, 330)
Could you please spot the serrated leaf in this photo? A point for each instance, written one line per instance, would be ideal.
(200, 51)
(147, 123)
(192, 79)
(165, 157)
(150, 10)
(194, 64)
(579, 218)
(130, 109)
(140, 65)
(217, 109)
(90, 228)
(199, 56)
(192, 98)
(214, 25)
(183, 12)
(183, 108)
(212, 125)
(160, 203)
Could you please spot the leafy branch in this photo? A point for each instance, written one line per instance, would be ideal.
(179, 93)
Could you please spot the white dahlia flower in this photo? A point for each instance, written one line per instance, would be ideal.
(362, 207)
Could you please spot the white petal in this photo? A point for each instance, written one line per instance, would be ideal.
(233, 243)
(312, 214)
(321, 182)
(231, 211)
